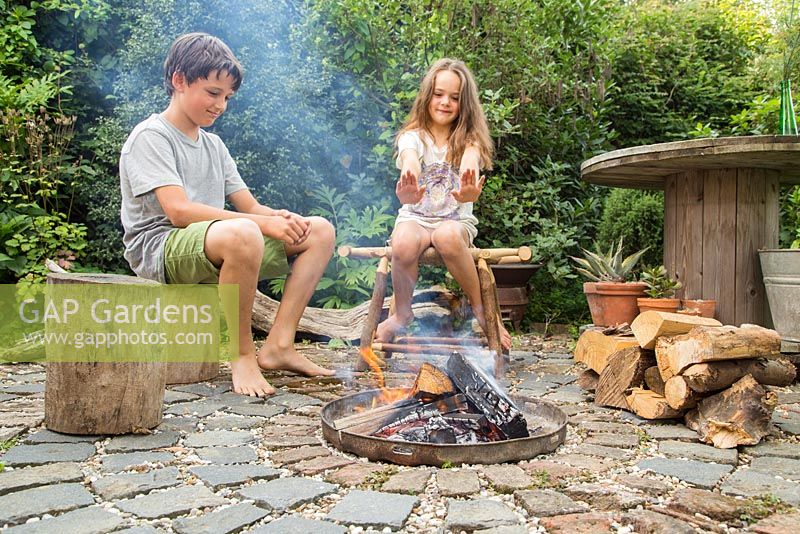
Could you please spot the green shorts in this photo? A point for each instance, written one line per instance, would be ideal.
(185, 260)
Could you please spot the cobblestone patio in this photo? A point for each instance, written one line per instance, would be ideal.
(223, 463)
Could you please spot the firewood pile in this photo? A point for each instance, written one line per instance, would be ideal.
(682, 366)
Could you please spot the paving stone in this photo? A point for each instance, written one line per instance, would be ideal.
(699, 452)
(288, 456)
(18, 506)
(203, 389)
(547, 502)
(355, 474)
(591, 522)
(172, 396)
(553, 471)
(142, 442)
(478, 514)
(749, 483)
(46, 453)
(700, 474)
(30, 477)
(141, 529)
(231, 422)
(222, 438)
(373, 509)
(613, 453)
(534, 391)
(587, 463)
(114, 487)
(568, 394)
(411, 481)
(257, 410)
(633, 418)
(320, 464)
(6, 397)
(299, 525)
(291, 419)
(605, 498)
(650, 522)
(774, 448)
(561, 379)
(217, 476)
(270, 430)
(200, 408)
(673, 432)
(507, 478)
(607, 427)
(227, 455)
(91, 520)
(627, 440)
(553, 367)
(231, 519)
(179, 423)
(171, 503)
(48, 436)
(286, 493)
(293, 401)
(645, 485)
(782, 467)
(23, 389)
(281, 442)
(788, 421)
(122, 462)
(508, 529)
(711, 504)
(778, 524)
(457, 483)
(9, 433)
(231, 399)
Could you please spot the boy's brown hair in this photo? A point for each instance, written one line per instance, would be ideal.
(196, 55)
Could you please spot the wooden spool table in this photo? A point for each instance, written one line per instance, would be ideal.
(720, 207)
(488, 287)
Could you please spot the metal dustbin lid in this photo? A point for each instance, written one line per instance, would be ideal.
(552, 432)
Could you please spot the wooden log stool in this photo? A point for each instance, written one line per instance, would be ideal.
(440, 345)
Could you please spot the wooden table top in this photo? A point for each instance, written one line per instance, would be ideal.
(645, 167)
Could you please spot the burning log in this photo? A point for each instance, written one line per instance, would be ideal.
(344, 423)
(412, 412)
(431, 383)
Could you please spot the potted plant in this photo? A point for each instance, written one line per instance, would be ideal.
(611, 297)
(660, 291)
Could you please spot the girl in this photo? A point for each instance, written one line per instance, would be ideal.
(441, 149)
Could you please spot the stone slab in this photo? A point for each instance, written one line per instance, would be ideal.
(283, 442)
(711, 504)
(604, 497)
(217, 476)
(299, 525)
(142, 442)
(655, 523)
(614, 453)
(114, 463)
(628, 440)
(478, 514)
(588, 463)
(180, 423)
(292, 401)
(171, 503)
(783, 467)
(288, 456)
(700, 474)
(355, 474)
(21, 505)
(645, 485)
(774, 448)
(320, 464)
(172, 396)
(673, 432)
(777, 524)
(4, 397)
(214, 438)
(567, 394)
(231, 519)
(590, 522)
(203, 389)
(286, 493)
(46, 453)
(90, 520)
(227, 455)
(506, 478)
(200, 408)
(31, 477)
(23, 389)
(411, 482)
(373, 509)
(232, 422)
(257, 410)
(508, 529)
(48, 436)
(459, 483)
(9, 433)
(749, 483)
(547, 502)
(548, 472)
(698, 451)
(292, 419)
(115, 487)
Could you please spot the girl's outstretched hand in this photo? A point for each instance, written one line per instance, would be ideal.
(471, 187)
(408, 190)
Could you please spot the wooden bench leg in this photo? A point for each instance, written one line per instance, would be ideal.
(374, 313)
(491, 312)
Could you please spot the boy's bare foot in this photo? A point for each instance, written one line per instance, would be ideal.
(289, 359)
(389, 328)
(247, 377)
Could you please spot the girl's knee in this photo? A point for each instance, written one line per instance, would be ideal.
(449, 239)
(405, 249)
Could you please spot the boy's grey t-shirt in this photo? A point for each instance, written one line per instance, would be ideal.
(156, 154)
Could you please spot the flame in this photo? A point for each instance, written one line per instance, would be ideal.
(376, 363)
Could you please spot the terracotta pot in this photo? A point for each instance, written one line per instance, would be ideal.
(612, 303)
(663, 305)
(706, 308)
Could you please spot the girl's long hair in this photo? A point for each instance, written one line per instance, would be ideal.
(469, 128)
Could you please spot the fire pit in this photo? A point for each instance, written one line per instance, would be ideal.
(457, 416)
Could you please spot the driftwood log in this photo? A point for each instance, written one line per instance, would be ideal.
(739, 415)
(650, 405)
(650, 325)
(594, 348)
(625, 370)
(100, 397)
(713, 376)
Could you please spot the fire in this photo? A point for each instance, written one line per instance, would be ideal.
(376, 363)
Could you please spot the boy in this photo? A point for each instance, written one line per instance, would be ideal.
(175, 178)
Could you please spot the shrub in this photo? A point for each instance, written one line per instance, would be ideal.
(637, 217)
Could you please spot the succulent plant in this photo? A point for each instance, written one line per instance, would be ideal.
(610, 266)
(659, 284)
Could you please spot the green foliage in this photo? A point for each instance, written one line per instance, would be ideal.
(659, 284)
(790, 218)
(608, 266)
(638, 218)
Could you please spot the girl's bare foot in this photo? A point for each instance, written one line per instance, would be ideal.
(388, 329)
(247, 377)
(505, 337)
(288, 359)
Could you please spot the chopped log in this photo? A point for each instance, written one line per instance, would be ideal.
(417, 349)
(594, 348)
(588, 379)
(491, 313)
(650, 405)
(625, 370)
(431, 382)
(739, 415)
(679, 395)
(713, 376)
(431, 257)
(650, 325)
(708, 344)
(653, 380)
